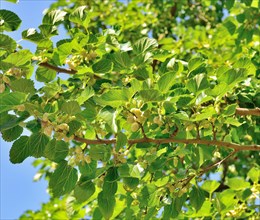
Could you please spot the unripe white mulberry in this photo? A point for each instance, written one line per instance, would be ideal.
(135, 126)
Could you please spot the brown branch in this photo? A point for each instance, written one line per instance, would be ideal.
(236, 147)
(246, 111)
(206, 169)
(58, 69)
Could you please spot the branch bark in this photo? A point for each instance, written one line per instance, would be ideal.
(246, 111)
(58, 69)
(236, 147)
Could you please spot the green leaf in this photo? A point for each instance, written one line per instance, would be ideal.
(198, 83)
(38, 142)
(230, 110)
(19, 58)
(143, 73)
(7, 43)
(197, 198)
(195, 63)
(100, 152)
(8, 121)
(13, 1)
(102, 66)
(218, 90)
(109, 188)
(121, 61)
(232, 121)
(10, 100)
(205, 114)
(114, 97)
(170, 211)
(73, 127)
(12, 133)
(144, 45)
(79, 16)
(231, 27)
(106, 205)
(9, 20)
(83, 191)
(53, 17)
(210, 186)
(162, 55)
(71, 108)
(32, 35)
(88, 170)
(121, 140)
(131, 182)
(232, 76)
(87, 93)
(150, 95)
(63, 180)
(56, 150)
(237, 183)
(45, 75)
(129, 170)
(48, 30)
(148, 195)
(254, 174)
(166, 81)
(23, 85)
(20, 150)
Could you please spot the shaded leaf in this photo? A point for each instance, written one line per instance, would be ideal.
(9, 20)
(197, 198)
(83, 191)
(12, 133)
(100, 152)
(121, 140)
(102, 66)
(63, 180)
(7, 43)
(38, 142)
(20, 150)
(106, 205)
(56, 150)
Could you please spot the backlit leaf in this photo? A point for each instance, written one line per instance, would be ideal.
(10, 100)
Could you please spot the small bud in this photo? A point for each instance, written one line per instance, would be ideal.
(20, 108)
(6, 79)
(2, 88)
(48, 130)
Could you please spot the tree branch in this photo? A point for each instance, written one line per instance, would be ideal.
(236, 147)
(246, 111)
(58, 69)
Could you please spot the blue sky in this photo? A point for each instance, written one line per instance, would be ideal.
(17, 190)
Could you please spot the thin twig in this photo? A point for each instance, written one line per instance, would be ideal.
(236, 147)
(58, 69)
(247, 111)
